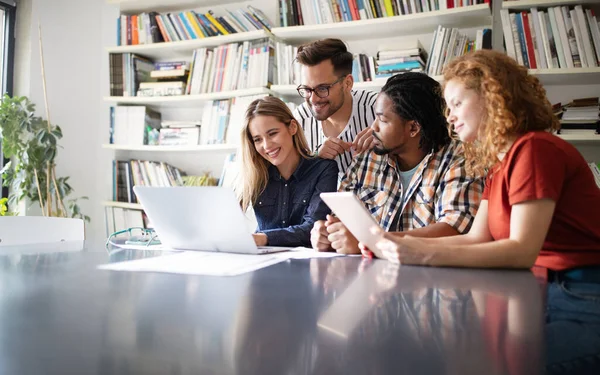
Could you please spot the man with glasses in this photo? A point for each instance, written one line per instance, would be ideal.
(335, 118)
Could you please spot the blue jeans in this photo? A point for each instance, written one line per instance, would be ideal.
(573, 322)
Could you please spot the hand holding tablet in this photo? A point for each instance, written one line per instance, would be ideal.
(353, 214)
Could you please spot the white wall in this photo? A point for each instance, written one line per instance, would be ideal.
(76, 77)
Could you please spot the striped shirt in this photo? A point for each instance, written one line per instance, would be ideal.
(440, 191)
(363, 115)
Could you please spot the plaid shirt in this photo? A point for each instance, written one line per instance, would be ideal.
(440, 190)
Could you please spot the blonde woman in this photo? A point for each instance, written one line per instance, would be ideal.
(282, 180)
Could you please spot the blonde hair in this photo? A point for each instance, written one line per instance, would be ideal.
(514, 103)
(255, 169)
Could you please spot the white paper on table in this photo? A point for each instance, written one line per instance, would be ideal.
(198, 263)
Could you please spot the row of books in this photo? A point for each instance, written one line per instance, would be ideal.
(127, 71)
(234, 66)
(141, 125)
(365, 68)
(127, 174)
(313, 12)
(153, 27)
(557, 37)
(134, 125)
(449, 43)
(580, 116)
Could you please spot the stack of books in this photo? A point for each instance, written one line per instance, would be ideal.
(179, 133)
(171, 79)
(581, 115)
(393, 62)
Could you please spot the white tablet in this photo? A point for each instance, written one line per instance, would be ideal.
(355, 216)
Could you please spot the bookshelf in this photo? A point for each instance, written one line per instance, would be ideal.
(411, 24)
(363, 36)
(526, 4)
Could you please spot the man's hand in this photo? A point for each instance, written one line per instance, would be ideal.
(332, 147)
(318, 236)
(342, 241)
(363, 141)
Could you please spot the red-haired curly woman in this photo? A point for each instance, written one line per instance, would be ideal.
(540, 204)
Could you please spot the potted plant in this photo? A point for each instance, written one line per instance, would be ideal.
(31, 144)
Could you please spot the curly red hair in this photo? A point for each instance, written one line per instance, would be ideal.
(515, 103)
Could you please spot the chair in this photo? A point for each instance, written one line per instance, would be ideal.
(25, 230)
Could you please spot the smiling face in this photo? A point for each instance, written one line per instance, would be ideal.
(273, 140)
(323, 74)
(465, 110)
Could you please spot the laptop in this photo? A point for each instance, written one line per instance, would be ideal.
(204, 218)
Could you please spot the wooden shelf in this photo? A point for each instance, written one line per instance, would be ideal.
(186, 47)
(569, 76)
(526, 4)
(197, 148)
(138, 6)
(410, 24)
(131, 206)
(184, 100)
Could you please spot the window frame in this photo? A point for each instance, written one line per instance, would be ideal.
(10, 9)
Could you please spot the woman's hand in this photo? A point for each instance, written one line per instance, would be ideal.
(260, 239)
(403, 250)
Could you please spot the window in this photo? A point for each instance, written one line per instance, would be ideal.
(7, 54)
(7, 44)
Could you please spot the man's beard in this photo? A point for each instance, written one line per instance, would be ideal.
(329, 113)
(383, 150)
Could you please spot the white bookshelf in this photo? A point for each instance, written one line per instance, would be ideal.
(570, 76)
(131, 206)
(526, 4)
(582, 136)
(184, 100)
(185, 48)
(404, 25)
(138, 6)
(196, 148)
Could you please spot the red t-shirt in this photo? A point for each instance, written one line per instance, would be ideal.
(541, 165)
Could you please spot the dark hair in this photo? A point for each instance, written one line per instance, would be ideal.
(418, 97)
(313, 53)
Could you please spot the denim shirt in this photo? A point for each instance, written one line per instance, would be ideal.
(287, 210)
